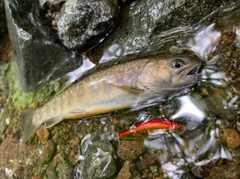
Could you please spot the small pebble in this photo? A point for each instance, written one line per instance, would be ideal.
(43, 134)
(48, 152)
(153, 168)
(130, 149)
(125, 171)
(232, 138)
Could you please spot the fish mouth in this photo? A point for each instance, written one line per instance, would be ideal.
(195, 70)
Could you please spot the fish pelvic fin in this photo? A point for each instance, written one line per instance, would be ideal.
(28, 127)
(52, 121)
(73, 115)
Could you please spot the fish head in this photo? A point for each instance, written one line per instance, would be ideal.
(184, 71)
(171, 74)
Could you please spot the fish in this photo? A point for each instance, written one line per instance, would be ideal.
(152, 129)
(118, 87)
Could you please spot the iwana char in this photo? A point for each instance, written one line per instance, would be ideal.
(122, 86)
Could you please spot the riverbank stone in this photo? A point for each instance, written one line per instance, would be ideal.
(3, 28)
(84, 23)
(153, 27)
(37, 52)
(98, 156)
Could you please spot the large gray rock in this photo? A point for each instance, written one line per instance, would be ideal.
(84, 23)
(98, 160)
(154, 27)
(3, 27)
(37, 53)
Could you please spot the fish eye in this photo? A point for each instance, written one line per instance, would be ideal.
(177, 63)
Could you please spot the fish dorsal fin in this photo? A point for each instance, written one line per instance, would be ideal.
(129, 89)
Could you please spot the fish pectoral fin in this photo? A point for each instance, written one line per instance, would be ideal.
(129, 89)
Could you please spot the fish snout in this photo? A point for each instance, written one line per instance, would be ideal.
(195, 70)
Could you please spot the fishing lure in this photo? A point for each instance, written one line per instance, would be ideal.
(153, 128)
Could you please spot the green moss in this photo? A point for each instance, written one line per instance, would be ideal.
(21, 99)
(17, 97)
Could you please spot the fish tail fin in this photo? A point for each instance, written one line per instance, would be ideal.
(28, 127)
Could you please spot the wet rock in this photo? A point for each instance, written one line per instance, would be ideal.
(99, 162)
(187, 175)
(43, 134)
(5, 45)
(84, 23)
(3, 27)
(235, 154)
(47, 153)
(128, 171)
(6, 50)
(125, 171)
(15, 159)
(219, 101)
(64, 168)
(3, 124)
(228, 17)
(154, 169)
(146, 161)
(229, 171)
(130, 149)
(3, 84)
(153, 27)
(51, 3)
(2, 173)
(232, 138)
(197, 171)
(3, 72)
(37, 53)
(3, 96)
(50, 171)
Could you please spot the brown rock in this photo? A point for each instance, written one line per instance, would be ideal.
(115, 121)
(125, 171)
(146, 161)
(42, 134)
(130, 149)
(75, 141)
(6, 52)
(232, 138)
(128, 171)
(225, 171)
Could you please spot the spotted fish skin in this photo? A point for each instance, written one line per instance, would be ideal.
(118, 87)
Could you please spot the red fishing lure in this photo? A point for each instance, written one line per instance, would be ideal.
(152, 127)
